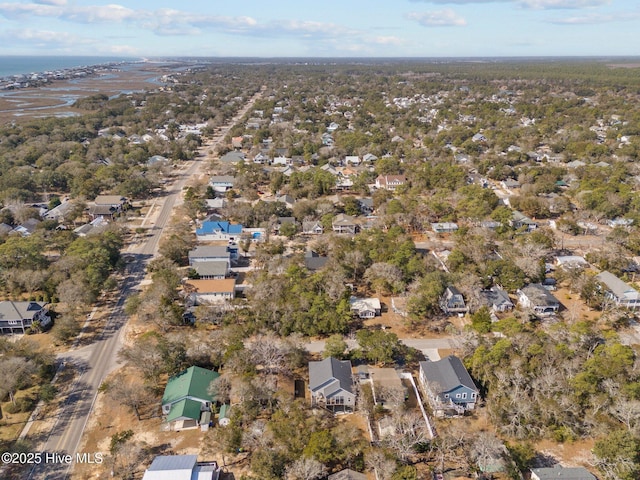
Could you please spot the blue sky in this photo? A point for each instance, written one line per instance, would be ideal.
(329, 28)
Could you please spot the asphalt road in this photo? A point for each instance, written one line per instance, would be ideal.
(422, 344)
(94, 362)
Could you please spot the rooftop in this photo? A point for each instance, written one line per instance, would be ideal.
(193, 382)
(448, 373)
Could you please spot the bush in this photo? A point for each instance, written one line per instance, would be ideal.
(48, 392)
(24, 404)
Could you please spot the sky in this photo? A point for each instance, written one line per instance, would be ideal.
(328, 28)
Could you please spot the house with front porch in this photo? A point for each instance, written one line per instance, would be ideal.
(343, 223)
(186, 397)
(496, 299)
(211, 270)
(331, 385)
(452, 301)
(18, 317)
(107, 206)
(365, 307)
(312, 227)
(448, 386)
(222, 183)
(619, 292)
(538, 299)
(520, 221)
(390, 182)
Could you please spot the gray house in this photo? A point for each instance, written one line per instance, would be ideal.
(314, 261)
(537, 298)
(559, 473)
(347, 474)
(452, 301)
(211, 269)
(312, 228)
(448, 386)
(212, 253)
(621, 293)
(520, 220)
(17, 317)
(496, 299)
(331, 385)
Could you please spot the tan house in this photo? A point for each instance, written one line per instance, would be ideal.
(343, 223)
(210, 291)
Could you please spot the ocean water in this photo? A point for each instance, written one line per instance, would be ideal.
(19, 65)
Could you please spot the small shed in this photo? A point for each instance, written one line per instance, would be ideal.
(224, 417)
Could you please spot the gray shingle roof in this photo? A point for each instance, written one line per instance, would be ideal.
(538, 295)
(329, 369)
(619, 288)
(19, 310)
(448, 373)
(209, 251)
(210, 268)
(577, 473)
(347, 474)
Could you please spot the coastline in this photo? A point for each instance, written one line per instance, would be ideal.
(55, 96)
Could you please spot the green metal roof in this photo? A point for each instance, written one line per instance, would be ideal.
(186, 408)
(193, 382)
(224, 411)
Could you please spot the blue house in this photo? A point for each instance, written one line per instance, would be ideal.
(218, 230)
(448, 386)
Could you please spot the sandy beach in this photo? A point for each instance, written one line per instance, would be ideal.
(56, 99)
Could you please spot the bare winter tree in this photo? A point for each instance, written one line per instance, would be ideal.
(628, 412)
(379, 462)
(410, 430)
(486, 450)
(14, 371)
(270, 352)
(220, 389)
(305, 468)
(384, 278)
(130, 394)
(127, 458)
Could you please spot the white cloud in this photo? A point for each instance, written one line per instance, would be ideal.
(167, 21)
(121, 50)
(99, 14)
(534, 4)
(562, 4)
(388, 40)
(438, 18)
(596, 19)
(43, 38)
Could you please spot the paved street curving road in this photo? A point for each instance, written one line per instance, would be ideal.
(94, 362)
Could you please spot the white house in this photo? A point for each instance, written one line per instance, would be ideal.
(616, 290)
(365, 307)
(390, 182)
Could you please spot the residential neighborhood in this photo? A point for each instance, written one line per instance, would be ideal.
(334, 271)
